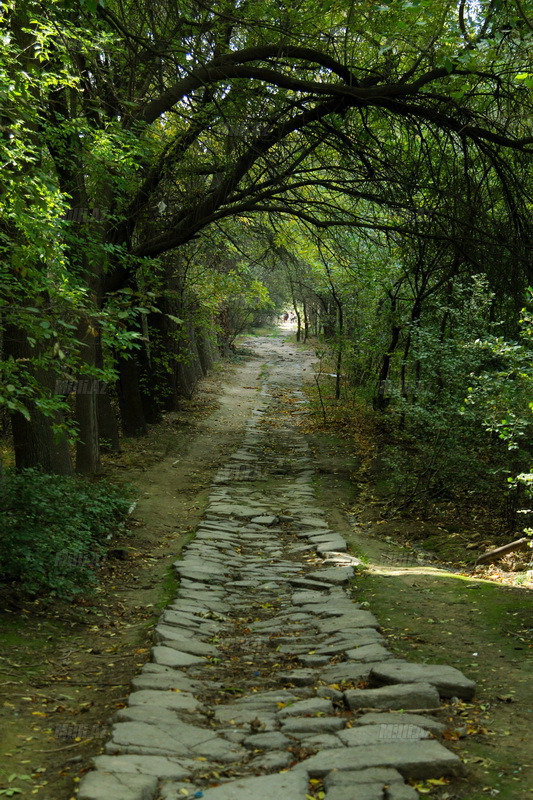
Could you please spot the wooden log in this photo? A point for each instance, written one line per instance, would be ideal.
(494, 555)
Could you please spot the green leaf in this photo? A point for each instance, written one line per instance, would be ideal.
(448, 65)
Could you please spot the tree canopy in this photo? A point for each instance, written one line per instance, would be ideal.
(149, 149)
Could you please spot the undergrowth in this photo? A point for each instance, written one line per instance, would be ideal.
(411, 469)
(53, 530)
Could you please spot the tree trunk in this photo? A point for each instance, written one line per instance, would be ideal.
(306, 322)
(381, 400)
(340, 341)
(299, 324)
(35, 445)
(108, 435)
(149, 384)
(189, 367)
(206, 350)
(34, 441)
(415, 321)
(129, 398)
(295, 306)
(87, 446)
(494, 555)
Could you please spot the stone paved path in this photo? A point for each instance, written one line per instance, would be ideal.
(266, 676)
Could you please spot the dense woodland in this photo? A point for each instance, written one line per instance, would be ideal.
(173, 171)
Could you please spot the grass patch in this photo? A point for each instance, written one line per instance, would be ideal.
(169, 590)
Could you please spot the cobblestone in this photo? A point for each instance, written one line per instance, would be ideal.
(249, 662)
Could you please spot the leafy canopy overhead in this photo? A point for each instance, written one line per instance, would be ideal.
(214, 109)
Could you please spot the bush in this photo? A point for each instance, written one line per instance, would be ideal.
(53, 528)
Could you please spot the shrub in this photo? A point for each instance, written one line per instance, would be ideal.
(53, 529)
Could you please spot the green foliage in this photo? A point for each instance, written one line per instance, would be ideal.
(446, 445)
(500, 396)
(417, 333)
(502, 391)
(400, 122)
(53, 530)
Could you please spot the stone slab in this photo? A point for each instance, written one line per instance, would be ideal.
(310, 725)
(143, 738)
(369, 652)
(169, 657)
(345, 671)
(296, 649)
(99, 785)
(333, 694)
(177, 701)
(183, 624)
(176, 790)
(233, 510)
(181, 620)
(418, 760)
(273, 761)
(320, 536)
(303, 598)
(309, 706)
(170, 637)
(147, 713)
(164, 681)
(319, 741)
(367, 784)
(449, 681)
(232, 734)
(355, 637)
(342, 559)
(335, 576)
(386, 776)
(357, 619)
(298, 677)
(189, 606)
(267, 700)
(240, 716)
(368, 791)
(158, 766)
(312, 522)
(267, 741)
(343, 645)
(402, 791)
(286, 785)
(305, 583)
(199, 574)
(330, 544)
(329, 608)
(220, 750)
(382, 733)
(207, 600)
(176, 739)
(211, 597)
(406, 696)
(313, 660)
(376, 718)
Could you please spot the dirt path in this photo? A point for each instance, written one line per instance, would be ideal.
(274, 661)
(428, 615)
